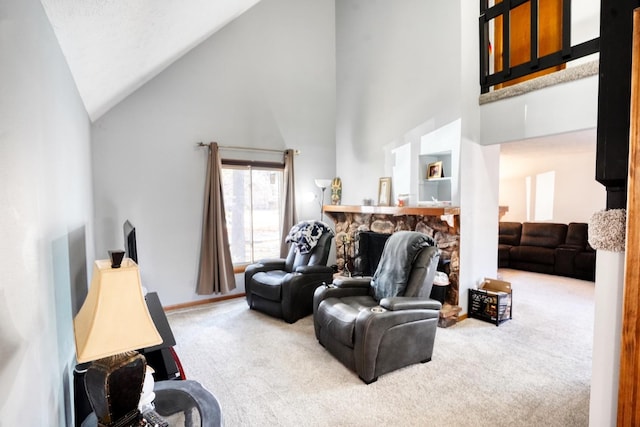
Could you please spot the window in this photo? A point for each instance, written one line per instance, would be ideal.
(545, 185)
(252, 197)
(544, 188)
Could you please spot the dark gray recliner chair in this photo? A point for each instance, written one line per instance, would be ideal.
(380, 324)
(284, 288)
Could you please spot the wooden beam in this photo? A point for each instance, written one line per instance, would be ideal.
(612, 151)
(629, 385)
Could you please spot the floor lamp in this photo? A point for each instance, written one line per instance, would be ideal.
(322, 184)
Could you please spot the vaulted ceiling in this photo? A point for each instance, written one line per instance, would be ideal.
(113, 47)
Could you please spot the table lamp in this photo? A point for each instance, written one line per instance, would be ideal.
(322, 184)
(114, 322)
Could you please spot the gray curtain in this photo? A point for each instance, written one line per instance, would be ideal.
(215, 274)
(289, 217)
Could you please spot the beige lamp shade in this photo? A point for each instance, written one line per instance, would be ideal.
(114, 318)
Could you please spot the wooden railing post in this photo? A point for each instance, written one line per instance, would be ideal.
(629, 384)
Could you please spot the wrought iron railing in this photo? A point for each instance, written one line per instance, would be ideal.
(536, 63)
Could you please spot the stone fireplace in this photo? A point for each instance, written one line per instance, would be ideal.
(440, 223)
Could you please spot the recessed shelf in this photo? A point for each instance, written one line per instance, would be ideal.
(440, 148)
(444, 178)
(435, 188)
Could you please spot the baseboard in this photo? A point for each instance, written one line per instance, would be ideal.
(203, 302)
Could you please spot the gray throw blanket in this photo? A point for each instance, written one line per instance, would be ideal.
(392, 274)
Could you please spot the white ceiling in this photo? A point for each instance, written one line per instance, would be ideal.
(519, 155)
(572, 142)
(115, 46)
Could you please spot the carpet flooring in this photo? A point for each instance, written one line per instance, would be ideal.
(533, 370)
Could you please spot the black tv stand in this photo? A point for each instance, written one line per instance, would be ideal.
(161, 357)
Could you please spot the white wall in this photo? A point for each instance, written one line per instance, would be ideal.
(478, 217)
(585, 21)
(566, 107)
(577, 195)
(266, 80)
(397, 72)
(45, 219)
(607, 325)
(404, 69)
(478, 170)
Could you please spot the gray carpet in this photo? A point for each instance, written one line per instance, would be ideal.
(533, 370)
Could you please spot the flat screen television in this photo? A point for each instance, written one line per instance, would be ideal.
(131, 249)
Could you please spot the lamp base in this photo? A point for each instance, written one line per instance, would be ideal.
(113, 385)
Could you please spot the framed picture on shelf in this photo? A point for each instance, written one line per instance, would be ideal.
(434, 170)
(384, 191)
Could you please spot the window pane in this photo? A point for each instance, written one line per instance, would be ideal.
(252, 208)
(545, 185)
(266, 213)
(236, 185)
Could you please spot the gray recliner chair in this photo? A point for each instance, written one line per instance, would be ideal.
(284, 287)
(380, 324)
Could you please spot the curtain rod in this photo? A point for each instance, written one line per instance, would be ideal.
(269, 150)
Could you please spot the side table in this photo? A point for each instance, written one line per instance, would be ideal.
(183, 403)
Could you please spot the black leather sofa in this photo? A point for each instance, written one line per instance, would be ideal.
(551, 248)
